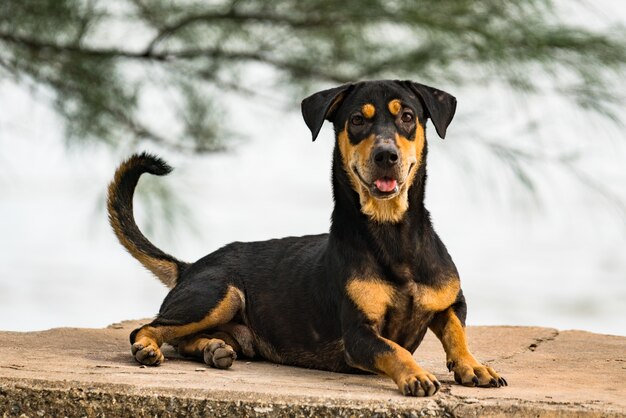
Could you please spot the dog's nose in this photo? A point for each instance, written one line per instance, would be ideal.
(385, 156)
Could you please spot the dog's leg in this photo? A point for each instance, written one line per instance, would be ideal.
(467, 370)
(367, 350)
(171, 325)
(218, 349)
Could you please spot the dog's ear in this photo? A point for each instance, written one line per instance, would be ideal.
(322, 105)
(439, 104)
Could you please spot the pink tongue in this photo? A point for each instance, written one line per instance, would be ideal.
(386, 184)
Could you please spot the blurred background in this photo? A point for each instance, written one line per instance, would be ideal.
(527, 191)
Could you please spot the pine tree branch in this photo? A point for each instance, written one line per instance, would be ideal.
(169, 56)
(241, 17)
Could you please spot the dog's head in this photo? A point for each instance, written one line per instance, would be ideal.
(380, 134)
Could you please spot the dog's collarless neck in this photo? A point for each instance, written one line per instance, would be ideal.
(390, 242)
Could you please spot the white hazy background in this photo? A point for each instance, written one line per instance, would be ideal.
(556, 259)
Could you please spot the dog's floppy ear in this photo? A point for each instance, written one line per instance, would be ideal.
(439, 104)
(322, 105)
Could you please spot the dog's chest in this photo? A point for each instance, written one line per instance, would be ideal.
(413, 307)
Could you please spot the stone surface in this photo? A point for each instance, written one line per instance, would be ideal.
(90, 372)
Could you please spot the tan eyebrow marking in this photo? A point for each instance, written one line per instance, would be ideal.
(368, 110)
(394, 106)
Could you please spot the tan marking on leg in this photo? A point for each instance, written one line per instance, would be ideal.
(194, 346)
(215, 350)
(372, 297)
(453, 338)
(222, 313)
(394, 107)
(400, 365)
(368, 110)
(146, 348)
(467, 370)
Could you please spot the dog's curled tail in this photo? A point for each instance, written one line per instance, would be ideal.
(120, 208)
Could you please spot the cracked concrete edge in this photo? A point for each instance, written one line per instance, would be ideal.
(27, 397)
(539, 341)
(543, 341)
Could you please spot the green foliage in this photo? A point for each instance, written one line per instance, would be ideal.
(194, 50)
(110, 66)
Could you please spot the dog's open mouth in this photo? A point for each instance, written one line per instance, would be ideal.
(386, 184)
(382, 188)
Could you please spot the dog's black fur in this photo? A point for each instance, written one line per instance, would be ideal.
(360, 298)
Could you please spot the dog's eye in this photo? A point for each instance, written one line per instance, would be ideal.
(357, 120)
(407, 117)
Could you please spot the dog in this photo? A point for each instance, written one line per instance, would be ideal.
(357, 299)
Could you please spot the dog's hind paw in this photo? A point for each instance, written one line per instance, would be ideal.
(147, 353)
(218, 354)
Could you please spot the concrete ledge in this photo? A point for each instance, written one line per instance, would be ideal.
(89, 372)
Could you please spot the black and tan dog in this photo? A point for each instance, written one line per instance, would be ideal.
(359, 298)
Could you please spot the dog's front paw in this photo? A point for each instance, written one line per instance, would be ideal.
(418, 384)
(469, 372)
(147, 352)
